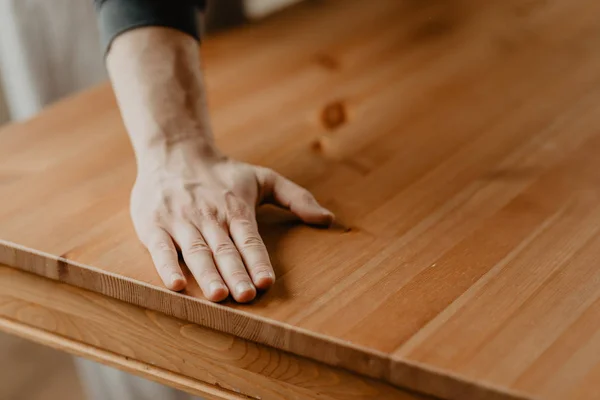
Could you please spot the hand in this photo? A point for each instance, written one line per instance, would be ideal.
(186, 194)
(206, 207)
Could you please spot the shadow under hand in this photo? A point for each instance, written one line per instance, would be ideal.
(277, 226)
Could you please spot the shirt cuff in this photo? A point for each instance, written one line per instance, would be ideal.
(118, 16)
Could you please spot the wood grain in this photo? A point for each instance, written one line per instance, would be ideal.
(457, 142)
(173, 352)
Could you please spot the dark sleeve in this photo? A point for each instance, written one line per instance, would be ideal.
(118, 16)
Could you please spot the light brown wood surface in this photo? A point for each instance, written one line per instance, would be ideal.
(458, 142)
(198, 360)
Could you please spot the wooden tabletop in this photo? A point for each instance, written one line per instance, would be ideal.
(458, 143)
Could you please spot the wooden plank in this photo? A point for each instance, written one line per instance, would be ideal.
(464, 174)
(170, 351)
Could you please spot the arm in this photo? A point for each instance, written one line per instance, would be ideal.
(187, 193)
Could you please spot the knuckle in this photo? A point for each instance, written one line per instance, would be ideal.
(236, 208)
(225, 249)
(240, 216)
(239, 213)
(252, 241)
(265, 173)
(307, 197)
(239, 275)
(162, 245)
(267, 178)
(198, 246)
(246, 224)
(202, 212)
(261, 267)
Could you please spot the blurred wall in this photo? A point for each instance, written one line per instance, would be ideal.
(50, 48)
(3, 107)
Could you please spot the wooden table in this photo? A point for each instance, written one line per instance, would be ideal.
(179, 354)
(458, 142)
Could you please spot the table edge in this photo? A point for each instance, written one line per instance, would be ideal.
(114, 360)
(331, 351)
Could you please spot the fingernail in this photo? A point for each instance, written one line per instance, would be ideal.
(215, 287)
(265, 275)
(325, 211)
(177, 280)
(328, 214)
(243, 287)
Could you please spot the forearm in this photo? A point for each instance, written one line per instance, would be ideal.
(157, 78)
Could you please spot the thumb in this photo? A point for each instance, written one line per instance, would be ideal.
(285, 193)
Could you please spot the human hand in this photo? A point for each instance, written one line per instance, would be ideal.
(187, 195)
(205, 206)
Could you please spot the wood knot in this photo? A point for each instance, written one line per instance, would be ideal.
(328, 62)
(334, 115)
(432, 28)
(317, 146)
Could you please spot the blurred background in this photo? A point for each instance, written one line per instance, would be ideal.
(48, 50)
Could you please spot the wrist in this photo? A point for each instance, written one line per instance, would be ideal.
(157, 79)
(176, 153)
